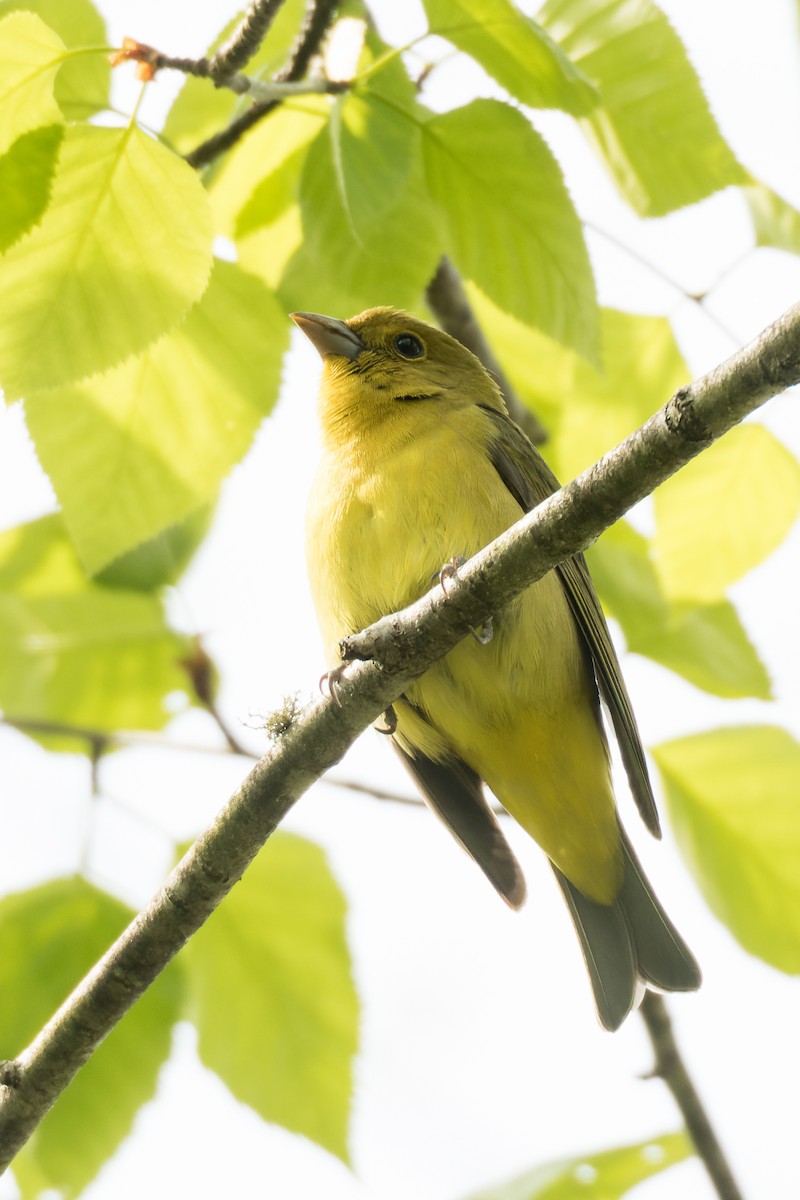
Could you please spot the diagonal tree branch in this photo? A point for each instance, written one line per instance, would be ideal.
(406, 645)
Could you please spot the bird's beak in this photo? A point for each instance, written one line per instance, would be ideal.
(329, 335)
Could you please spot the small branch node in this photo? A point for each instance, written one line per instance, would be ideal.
(681, 418)
(10, 1073)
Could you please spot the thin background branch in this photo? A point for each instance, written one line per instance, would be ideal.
(101, 742)
(406, 644)
(246, 39)
(670, 1067)
(318, 19)
(451, 307)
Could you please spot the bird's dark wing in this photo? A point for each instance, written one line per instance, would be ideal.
(530, 481)
(454, 792)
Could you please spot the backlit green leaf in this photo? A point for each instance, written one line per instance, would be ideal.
(724, 513)
(606, 1175)
(161, 559)
(121, 254)
(51, 936)
(705, 643)
(332, 269)
(82, 84)
(272, 994)
(517, 52)
(507, 219)
(30, 56)
(26, 173)
(732, 797)
(586, 409)
(641, 368)
(775, 221)
(261, 175)
(373, 147)
(135, 450)
(653, 128)
(73, 651)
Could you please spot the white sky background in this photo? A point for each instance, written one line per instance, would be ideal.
(480, 1056)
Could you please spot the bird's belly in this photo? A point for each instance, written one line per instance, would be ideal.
(521, 710)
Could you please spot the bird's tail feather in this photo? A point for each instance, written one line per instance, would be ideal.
(629, 943)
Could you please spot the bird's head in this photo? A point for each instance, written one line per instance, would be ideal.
(384, 363)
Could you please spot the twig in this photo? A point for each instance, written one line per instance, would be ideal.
(669, 1066)
(452, 309)
(245, 39)
(319, 15)
(101, 742)
(698, 298)
(364, 789)
(405, 645)
(149, 61)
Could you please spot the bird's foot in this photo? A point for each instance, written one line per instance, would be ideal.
(485, 632)
(330, 682)
(448, 571)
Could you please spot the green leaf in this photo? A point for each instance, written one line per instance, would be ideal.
(334, 270)
(26, 173)
(373, 147)
(132, 452)
(83, 82)
(201, 110)
(515, 51)
(272, 993)
(587, 409)
(775, 221)
(705, 643)
(324, 254)
(51, 936)
(30, 55)
(648, 91)
(732, 797)
(641, 368)
(606, 1175)
(508, 221)
(160, 560)
(260, 176)
(725, 513)
(123, 251)
(73, 651)
(272, 200)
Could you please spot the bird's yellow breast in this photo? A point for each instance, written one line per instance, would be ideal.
(522, 710)
(381, 524)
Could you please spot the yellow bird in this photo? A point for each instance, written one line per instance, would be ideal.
(422, 463)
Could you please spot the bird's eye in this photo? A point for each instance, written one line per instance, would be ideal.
(409, 346)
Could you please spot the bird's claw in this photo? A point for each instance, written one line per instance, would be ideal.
(485, 632)
(448, 571)
(330, 681)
